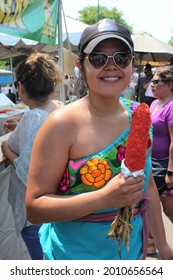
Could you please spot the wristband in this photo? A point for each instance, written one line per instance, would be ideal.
(169, 173)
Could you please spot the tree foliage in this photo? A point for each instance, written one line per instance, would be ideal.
(91, 14)
(3, 64)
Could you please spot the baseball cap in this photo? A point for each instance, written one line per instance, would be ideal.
(101, 30)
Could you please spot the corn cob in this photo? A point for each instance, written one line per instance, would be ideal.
(135, 158)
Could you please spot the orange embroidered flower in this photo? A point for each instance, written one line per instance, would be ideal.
(95, 173)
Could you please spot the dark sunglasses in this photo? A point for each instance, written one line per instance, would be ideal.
(99, 59)
(155, 82)
(15, 84)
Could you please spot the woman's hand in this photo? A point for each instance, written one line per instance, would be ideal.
(10, 124)
(169, 181)
(166, 253)
(121, 191)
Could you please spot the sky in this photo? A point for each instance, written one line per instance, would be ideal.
(152, 16)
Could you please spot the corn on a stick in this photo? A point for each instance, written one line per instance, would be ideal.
(135, 158)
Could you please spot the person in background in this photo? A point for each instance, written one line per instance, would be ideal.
(82, 147)
(139, 85)
(11, 96)
(80, 88)
(76, 72)
(135, 75)
(162, 147)
(129, 92)
(148, 97)
(143, 82)
(149, 75)
(67, 87)
(36, 78)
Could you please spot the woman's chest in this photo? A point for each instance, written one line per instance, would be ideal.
(94, 136)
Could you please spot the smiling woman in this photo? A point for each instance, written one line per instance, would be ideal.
(83, 145)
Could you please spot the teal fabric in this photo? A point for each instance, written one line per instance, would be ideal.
(79, 240)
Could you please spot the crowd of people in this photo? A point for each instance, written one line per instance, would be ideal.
(66, 184)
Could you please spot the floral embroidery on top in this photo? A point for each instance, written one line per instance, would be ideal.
(64, 185)
(95, 173)
(121, 152)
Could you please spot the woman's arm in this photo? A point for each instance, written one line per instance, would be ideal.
(155, 221)
(7, 152)
(169, 178)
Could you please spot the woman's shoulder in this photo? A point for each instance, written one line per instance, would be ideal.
(67, 116)
(34, 112)
(72, 110)
(168, 108)
(169, 103)
(33, 118)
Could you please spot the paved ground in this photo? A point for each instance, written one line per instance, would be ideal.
(169, 235)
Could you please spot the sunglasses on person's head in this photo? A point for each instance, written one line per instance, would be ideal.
(157, 81)
(99, 59)
(15, 84)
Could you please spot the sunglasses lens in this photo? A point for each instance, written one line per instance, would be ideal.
(122, 60)
(155, 82)
(97, 60)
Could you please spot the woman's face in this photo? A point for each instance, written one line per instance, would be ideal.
(161, 89)
(110, 80)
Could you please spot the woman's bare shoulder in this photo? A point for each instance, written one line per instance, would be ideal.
(67, 116)
(72, 110)
(62, 124)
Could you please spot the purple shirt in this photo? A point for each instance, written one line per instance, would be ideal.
(161, 120)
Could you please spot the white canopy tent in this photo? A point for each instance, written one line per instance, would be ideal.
(152, 50)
